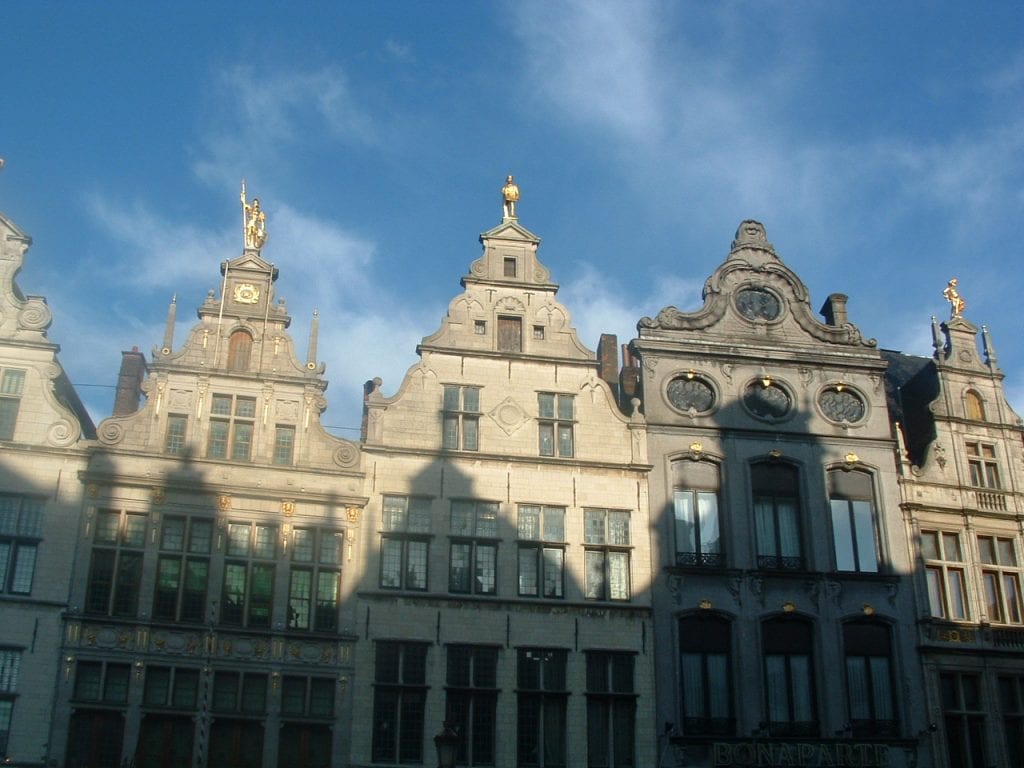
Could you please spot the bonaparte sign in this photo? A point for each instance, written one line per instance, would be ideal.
(800, 754)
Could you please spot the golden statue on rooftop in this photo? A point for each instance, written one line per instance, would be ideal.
(510, 194)
(254, 222)
(956, 301)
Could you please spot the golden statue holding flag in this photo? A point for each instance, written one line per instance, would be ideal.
(254, 222)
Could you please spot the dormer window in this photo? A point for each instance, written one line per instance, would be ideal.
(239, 351)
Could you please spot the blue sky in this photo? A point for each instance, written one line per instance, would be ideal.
(881, 144)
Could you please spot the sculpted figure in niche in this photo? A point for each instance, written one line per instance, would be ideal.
(510, 194)
(254, 222)
(956, 301)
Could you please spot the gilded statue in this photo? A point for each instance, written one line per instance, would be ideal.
(956, 301)
(254, 222)
(510, 194)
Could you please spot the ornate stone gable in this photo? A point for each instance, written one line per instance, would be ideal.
(753, 295)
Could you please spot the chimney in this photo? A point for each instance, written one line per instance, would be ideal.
(608, 361)
(129, 382)
(834, 309)
(629, 379)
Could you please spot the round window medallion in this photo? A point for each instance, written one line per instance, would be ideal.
(842, 404)
(771, 402)
(690, 394)
(757, 304)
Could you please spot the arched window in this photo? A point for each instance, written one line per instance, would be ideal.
(851, 497)
(239, 351)
(705, 675)
(867, 646)
(788, 647)
(776, 496)
(974, 405)
(698, 531)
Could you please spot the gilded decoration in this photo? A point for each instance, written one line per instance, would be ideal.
(223, 503)
(254, 222)
(246, 293)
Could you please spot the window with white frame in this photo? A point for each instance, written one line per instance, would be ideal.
(851, 498)
(405, 543)
(556, 416)
(461, 418)
(12, 383)
(541, 550)
(606, 542)
(21, 530)
(1000, 573)
(775, 488)
(944, 573)
(870, 688)
(315, 579)
(249, 565)
(232, 421)
(473, 547)
(183, 568)
(981, 461)
(698, 527)
(115, 570)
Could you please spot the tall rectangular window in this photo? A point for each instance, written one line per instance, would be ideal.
(232, 421)
(1001, 576)
(174, 439)
(10, 666)
(541, 550)
(21, 530)
(183, 569)
(472, 700)
(704, 653)
(248, 594)
(315, 579)
(789, 677)
(870, 689)
(963, 719)
(776, 516)
(851, 498)
(1011, 707)
(944, 573)
(611, 709)
(171, 687)
(461, 418)
(115, 571)
(541, 698)
(698, 527)
(12, 382)
(510, 334)
(606, 538)
(981, 461)
(405, 543)
(284, 444)
(555, 419)
(474, 547)
(399, 698)
(244, 694)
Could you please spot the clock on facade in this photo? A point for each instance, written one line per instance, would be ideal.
(247, 293)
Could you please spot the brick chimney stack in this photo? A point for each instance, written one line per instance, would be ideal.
(129, 382)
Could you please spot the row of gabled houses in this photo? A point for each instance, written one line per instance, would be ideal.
(754, 539)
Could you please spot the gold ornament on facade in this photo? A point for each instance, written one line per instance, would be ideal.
(254, 222)
(158, 495)
(287, 508)
(956, 301)
(92, 490)
(789, 606)
(851, 459)
(353, 514)
(223, 503)
(247, 293)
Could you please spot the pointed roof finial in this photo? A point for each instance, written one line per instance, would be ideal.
(510, 195)
(314, 330)
(169, 330)
(937, 341)
(990, 351)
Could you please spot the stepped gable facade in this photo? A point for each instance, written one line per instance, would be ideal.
(507, 586)
(211, 615)
(963, 500)
(782, 582)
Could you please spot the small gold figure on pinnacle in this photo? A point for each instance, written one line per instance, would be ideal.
(510, 194)
(254, 222)
(956, 301)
